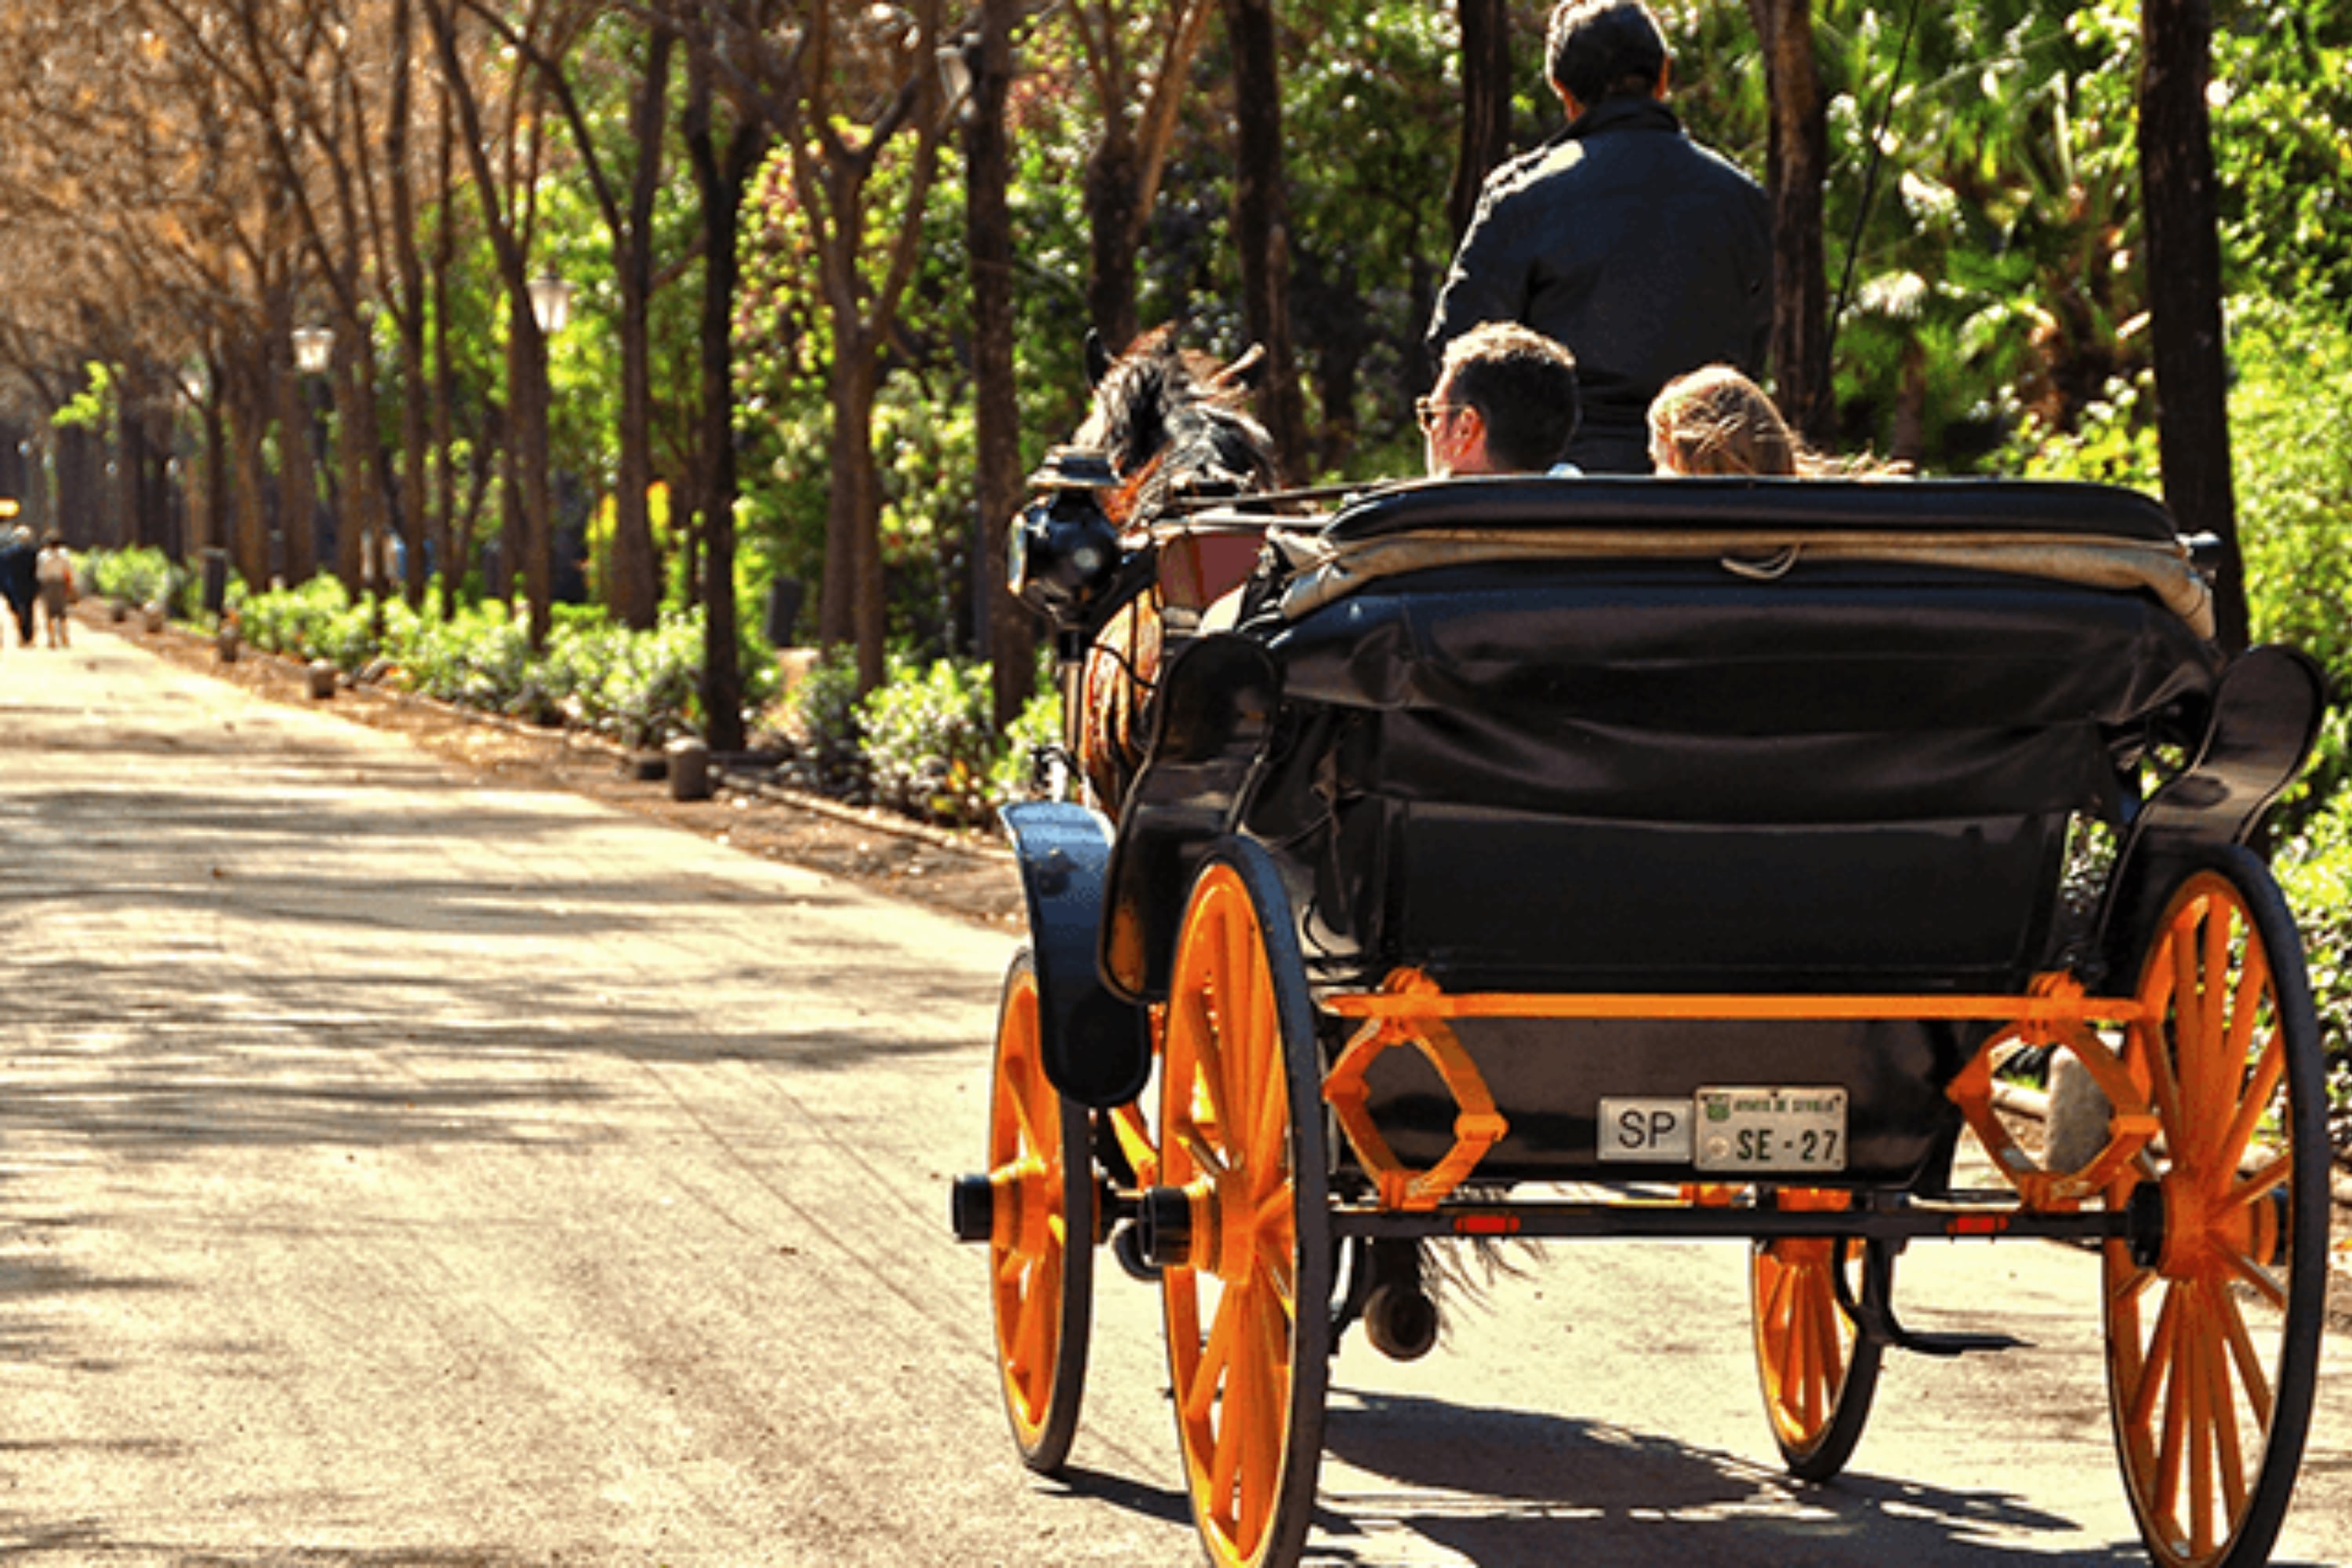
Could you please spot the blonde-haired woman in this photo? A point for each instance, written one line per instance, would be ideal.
(1716, 421)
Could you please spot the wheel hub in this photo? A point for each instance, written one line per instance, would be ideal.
(2203, 1229)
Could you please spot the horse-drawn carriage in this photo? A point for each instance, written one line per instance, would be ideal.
(1553, 858)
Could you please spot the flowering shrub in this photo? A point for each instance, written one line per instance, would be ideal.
(927, 748)
(135, 576)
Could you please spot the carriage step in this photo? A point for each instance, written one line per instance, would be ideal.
(1954, 1344)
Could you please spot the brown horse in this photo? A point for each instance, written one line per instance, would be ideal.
(1172, 423)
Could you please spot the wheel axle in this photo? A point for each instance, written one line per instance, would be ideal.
(972, 1208)
(1163, 1228)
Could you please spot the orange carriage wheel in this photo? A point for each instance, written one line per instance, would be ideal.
(1247, 1288)
(1041, 1246)
(2214, 1307)
(1818, 1372)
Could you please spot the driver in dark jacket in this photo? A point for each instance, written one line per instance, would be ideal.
(1644, 253)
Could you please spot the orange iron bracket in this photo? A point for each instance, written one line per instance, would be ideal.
(2058, 1014)
(1478, 1127)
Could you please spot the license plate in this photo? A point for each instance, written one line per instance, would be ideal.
(1776, 1130)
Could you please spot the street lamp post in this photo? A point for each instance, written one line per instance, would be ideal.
(550, 310)
(551, 303)
(314, 353)
(314, 349)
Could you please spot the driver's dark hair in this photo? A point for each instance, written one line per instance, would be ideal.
(1600, 49)
(1523, 384)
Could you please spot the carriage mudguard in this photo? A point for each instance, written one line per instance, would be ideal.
(1210, 719)
(1098, 1047)
(2264, 717)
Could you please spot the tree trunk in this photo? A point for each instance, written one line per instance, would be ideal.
(415, 390)
(1799, 165)
(367, 512)
(213, 532)
(1111, 226)
(142, 520)
(1485, 106)
(996, 411)
(851, 605)
(2184, 290)
(251, 546)
(452, 545)
(527, 447)
(636, 588)
(720, 178)
(1262, 227)
(346, 477)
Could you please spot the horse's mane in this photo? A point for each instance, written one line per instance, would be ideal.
(1172, 423)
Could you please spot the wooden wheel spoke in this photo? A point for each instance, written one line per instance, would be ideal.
(1032, 1341)
(2130, 1283)
(1798, 1368)
(2195, 1372)
(2259, 1089)
(1223, 947)
(2222, 1409)
(2155, 1362)
(1226, 1454)
(1009, 1267)
(1208, 1059)
(1215, 1364)
(2250, 1003)
(1828, 1358)
(1261, 1458)
(1779, 1320)
(2161, 991)
(1278, 1244)
(1207, 1156)
(1269, 1153)
(1825, 1317)
(2262, 1181)
(1241, 1001)
(2264, 1283)
(2168, 1458)
(2251, 1376)
(2214, 991)
(1038, 1119)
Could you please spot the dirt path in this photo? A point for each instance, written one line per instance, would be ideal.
(964, 874)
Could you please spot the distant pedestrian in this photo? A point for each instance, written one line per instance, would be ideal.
(18, 584)
(54, 568)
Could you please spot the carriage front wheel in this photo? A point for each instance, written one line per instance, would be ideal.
(2214, 1308)
(1247, 1284)
(1818, 1372)
(1041, 1247)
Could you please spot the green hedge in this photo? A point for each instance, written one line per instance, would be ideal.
(921, 744)
(133, 576)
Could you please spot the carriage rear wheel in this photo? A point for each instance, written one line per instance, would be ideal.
(1818, 1372)
(1242, 1137)
(2213, 1318)
(1041, 1252)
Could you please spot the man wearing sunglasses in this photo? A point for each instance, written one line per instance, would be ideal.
(1506, 402)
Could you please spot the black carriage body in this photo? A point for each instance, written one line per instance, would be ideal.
(1747, 769)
